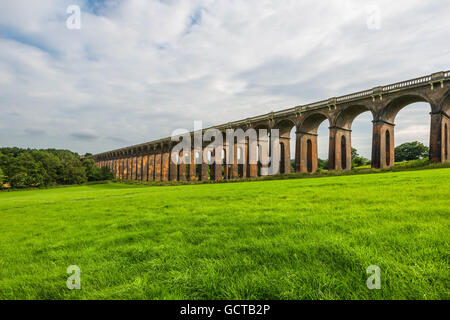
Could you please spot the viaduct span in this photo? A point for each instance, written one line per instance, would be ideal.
(151, 161)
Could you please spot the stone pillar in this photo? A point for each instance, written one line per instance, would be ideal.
(173, 167)
(151, 166)
(446, 139)
(264, 154)
(158, 165)
(234, 164)
(243, 162)
(120, 167)
(192, 166)
(340, 149)
(145, 167)
(382, 144)
(129, 167)
(135, 166)
(226, 162)
(251, 148)
(139, 167)
(306, 152)
(165, 165)
(124, 167)
(182, 167)
(205, 165)
(286, 157)
(217, 165)
(439, 137)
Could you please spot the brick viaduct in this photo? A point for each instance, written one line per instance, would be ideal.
(151, 161)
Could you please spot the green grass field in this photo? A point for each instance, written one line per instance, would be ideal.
(285, 239)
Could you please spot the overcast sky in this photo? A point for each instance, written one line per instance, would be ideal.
(138, 69)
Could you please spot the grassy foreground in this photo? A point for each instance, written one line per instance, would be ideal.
(285, 239)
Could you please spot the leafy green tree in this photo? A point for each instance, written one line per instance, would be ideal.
(28, 171)
(322, 164)
(93, 173)
(357, 160)
(72, 172)
(19, 180)
(106, 174)
(2, 177)
(50, 163)
(410, 151)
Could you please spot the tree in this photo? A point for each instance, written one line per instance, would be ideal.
(50, 163)
(357, 160)
(106, 174)
(19, 180)
(93, 173)
(73, 172)
(2, 177)
(410, 151)
(323, 164)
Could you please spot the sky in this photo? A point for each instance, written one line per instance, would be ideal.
(136, 70)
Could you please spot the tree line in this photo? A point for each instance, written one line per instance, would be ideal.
(25, 168)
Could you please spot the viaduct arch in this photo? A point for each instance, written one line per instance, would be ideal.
(152, 161)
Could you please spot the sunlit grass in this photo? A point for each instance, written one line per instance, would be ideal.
(283, 239)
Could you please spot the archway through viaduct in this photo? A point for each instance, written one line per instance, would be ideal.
(152, 161)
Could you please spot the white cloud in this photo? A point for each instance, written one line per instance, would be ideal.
(139, 69)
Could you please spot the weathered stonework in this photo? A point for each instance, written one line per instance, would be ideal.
(150, 161)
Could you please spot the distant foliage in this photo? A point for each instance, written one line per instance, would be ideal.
(322, 164)
(24, 168)
(2, 177)
(411, 151)
(357, 160)
(95, 173)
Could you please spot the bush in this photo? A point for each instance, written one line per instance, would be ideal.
(94, 173)
(357, 160)
(411, 151)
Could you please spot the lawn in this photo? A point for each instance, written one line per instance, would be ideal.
(282, 239)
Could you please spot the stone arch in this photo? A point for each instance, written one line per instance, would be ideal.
(306, 145)
(340, 148)
(391, 110)
(285, 126)
(263, 151)
(311, 122)
(345, 118)
(444, 106)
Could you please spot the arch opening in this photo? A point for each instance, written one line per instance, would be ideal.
(446, 142)
(309, 155)
(388, 147)
(282, 158)
(412, 123)
(358, 119)
(343, 153)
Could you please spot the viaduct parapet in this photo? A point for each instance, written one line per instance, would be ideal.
(151, 161)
